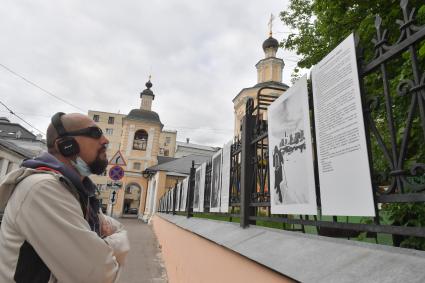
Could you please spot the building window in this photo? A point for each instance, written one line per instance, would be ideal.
(132, 189)
(167, 140)
(109, 131)
(136, 165)
(166, 152)
(111, 120)
(140, 140)
(96, 118)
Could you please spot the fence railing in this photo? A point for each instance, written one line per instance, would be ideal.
(397, 179)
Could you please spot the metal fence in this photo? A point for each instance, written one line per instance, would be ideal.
(398, 179)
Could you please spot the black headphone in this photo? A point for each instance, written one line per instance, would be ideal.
(67, 145)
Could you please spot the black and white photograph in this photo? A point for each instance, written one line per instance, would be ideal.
(196, 191)
(184, 187)
(292, 187)
(225, 177)
(216, 182)
(182, 204)
(168, 201)
(203, 169)
(171, 198)
(178, 191)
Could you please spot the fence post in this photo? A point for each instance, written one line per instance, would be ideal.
(247, 172)
(190, 189)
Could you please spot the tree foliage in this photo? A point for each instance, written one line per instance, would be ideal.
(319, 26)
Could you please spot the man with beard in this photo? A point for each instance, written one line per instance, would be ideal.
(52, 228)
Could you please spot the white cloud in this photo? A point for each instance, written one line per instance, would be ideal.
(98, 55)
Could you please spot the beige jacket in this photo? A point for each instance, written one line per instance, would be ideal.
(43, 211)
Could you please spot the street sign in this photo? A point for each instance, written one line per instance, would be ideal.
(114, 185)
(113, 197)
(116, 173)
(117, 159)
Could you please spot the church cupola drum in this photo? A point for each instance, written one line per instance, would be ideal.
(270, 68)
(147, 96)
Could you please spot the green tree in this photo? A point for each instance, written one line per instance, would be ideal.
(319, 26)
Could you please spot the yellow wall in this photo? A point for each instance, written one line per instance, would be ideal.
(121, 139)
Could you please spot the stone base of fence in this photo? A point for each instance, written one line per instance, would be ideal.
(203, 250)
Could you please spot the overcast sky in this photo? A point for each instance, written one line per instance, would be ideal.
(97, 55)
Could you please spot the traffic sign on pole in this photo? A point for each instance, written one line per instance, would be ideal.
(116, 173)
(117, 159)
(113, 197)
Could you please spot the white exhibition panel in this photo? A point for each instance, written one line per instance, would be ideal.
(178, 196)
(202, 186)
(216, 182)
(292, 185)
(225, 179)
(184, 194)
(198, 196)
(343, 163)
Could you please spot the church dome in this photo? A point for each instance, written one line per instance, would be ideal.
(144, 115)
(270, 43)
(148, 90)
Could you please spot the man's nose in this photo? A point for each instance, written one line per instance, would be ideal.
(104, 140)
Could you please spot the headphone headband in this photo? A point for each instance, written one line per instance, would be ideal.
(57, 124)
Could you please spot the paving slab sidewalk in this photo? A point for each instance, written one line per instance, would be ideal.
(144, 262)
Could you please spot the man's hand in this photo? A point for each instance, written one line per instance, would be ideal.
(106, 226)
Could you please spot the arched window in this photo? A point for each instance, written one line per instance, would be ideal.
(140, 140)
(132, 189)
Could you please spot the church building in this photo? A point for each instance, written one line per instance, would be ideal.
(137, 141)
(269, 74)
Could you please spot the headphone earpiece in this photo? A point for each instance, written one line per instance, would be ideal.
(67, 146)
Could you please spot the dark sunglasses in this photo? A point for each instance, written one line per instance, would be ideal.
(91, 132)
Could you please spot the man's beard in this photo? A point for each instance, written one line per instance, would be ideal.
(98, 166)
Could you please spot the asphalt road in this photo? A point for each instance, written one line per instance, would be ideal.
(144, 262)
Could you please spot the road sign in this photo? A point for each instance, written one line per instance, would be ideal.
(116, 173)
(114, 185)
(113, 197)
(117, 159)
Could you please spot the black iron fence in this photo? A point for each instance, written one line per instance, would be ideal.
(394, 117)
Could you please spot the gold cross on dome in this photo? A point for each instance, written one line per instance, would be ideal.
(270, 24)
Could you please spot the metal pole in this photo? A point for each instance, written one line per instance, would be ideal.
(247, 171)
(190, 188)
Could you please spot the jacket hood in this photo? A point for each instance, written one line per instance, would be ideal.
(85, 187)
(48, 160)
